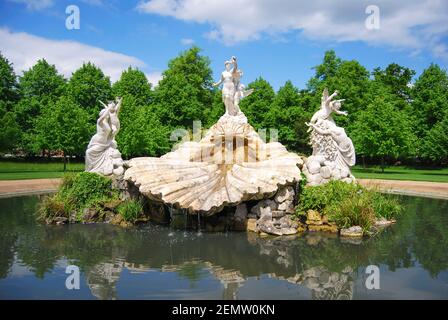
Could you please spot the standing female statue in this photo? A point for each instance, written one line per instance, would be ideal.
(232, 89)
(102, 155)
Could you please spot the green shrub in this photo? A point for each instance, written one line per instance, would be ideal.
(77, 192)
(352, 211)
(347, 204)
(318, 197)
(86, 189)
(385, 206)
(130, 210)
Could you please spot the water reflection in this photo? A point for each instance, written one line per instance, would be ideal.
(156, 262)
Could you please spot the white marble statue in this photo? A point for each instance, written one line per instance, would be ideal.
(333, 151)
(232, 89)
(102, 155)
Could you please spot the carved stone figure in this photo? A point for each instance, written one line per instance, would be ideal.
(102, 155)
(232, 89)
(333, 150)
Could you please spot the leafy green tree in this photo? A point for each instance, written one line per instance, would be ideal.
(435, 144)
(141, 133)
(87, 87)
(64, 126)
(215, 111)
(184, 92)
(324, 71)
(10, 132)
(8, 83)
(40, 87)
(396, 78)
(133, 82)
(258, 104)
(430, 99)
(382, 130)
(350, 78)
(286, 115)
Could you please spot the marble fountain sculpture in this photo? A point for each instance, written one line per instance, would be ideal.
(231, 164)
(102, 155)
(333, 151)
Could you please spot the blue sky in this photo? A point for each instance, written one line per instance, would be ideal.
(278, 40)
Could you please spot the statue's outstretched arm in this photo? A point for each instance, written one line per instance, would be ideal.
(317, 129)
(334, 94)
(118, 107)
(219, 82)
(343, 113)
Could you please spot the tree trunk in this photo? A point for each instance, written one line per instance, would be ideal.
(382, 164)
(65, 162)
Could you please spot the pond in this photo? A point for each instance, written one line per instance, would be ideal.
(156, 262)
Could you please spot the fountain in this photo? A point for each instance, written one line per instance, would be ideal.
(230, 165)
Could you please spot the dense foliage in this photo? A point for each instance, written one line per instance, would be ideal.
(88, 197)
(348, 204)
(388, 109)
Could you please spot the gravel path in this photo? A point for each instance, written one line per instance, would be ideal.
(9, 188)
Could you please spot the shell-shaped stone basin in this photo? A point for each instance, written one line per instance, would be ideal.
(230, 165)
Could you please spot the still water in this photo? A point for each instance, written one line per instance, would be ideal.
(156, 262)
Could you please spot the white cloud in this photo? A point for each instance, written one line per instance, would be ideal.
(187, 41)
(23, 50)
(408, 24)
(35, 4)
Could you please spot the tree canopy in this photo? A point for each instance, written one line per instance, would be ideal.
(391, 115)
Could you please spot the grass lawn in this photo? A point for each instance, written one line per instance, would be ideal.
(401, 173)
(10, 170)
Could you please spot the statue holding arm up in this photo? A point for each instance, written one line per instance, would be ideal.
(102, 155)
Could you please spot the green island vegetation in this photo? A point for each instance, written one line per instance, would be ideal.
(88, 197)
(347, 204)
(43, 114)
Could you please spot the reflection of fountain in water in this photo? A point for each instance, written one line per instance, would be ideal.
(282, 255)
(102, 279)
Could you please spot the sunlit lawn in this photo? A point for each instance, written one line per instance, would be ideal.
(401, 173)
(10, 170)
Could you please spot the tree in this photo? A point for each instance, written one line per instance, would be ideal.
(40, 87)
(430, 99)
(87, 87)
(258, 104)
(350, 78)
(64, 126)
(184, 92)
(8, 83)
(327, 69)
(215, 111)
(382, 130)
(10, 132)
(134, 82)
(396, 79)
(435, 144)
(141, 132)
(287, 115)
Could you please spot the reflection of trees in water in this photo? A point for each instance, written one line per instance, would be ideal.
(101, 251)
